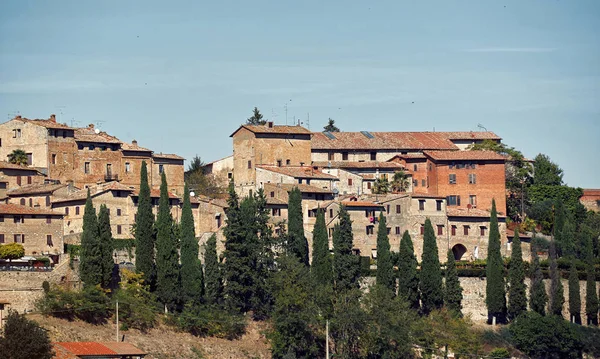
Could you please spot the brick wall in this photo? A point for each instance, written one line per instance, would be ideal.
(35, 229)
(30, 138)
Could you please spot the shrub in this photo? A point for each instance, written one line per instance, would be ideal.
(211, 321)
(11, 251)
(91, 305)
(137, 306)
(500, 353)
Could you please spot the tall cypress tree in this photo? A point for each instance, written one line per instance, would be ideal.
(192, 279)
(90, 268)
(320, 269)
(574, 295)
(408, 277)
(264, 259)
(144, 232)
(346, 266)
(591, 297)
(495, 295)
(168, 279)
(214, 281)
(517, 292)
(537, 293)
(557, 297)
(385, 267)
(106, 245)
(452, 289)
(297, 243)
(432, 295)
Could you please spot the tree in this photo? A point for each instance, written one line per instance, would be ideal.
(297, 243)
(256, 118)
(196, 165)
(452, 289)
(346, 266)
(11, 251)
(546, 172)
(137, 306)
(168, 277)
(574, 295)
(408, 278)
(18, 157)
(24, 339)
(444, 329)
(517, 290)
(537, 293)
(385, 267)
(321, 259)
(399, 181)
(591, 297)
(331, 127)
(214, 281)
(557, 298)
(106, 246)
(495, 295)
(432, 295)
(348, 325)
(144, 232)
(192, 278)
(200, 182)
(381, 186)
(90, 267)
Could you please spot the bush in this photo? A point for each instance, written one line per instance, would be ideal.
(137, 306)
(211, 321)
(11, 251)
(500, 353)
(91, 305)
(591, 340)
(24, 339)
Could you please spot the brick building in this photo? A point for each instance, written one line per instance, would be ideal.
(14, 176)
(591, 199)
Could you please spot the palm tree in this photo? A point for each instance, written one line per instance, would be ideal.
(399, 182)
(18, 157)
(382, 186)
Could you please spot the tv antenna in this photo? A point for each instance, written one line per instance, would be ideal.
(73, 122)
(308, 120)
(99, 124)
(481, 127)
(60, 111)
(12, 115)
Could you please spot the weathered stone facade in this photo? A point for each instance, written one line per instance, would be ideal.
(14, 176)
(591, 199)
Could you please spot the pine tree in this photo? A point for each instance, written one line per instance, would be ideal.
(557, 298)
(517, 293)
(385, 267)
(214, 282)
(168, 280)
(192, 278)
(320, 269)
(453, 291)
(574, 295)
(297, 243)
(408, 277)
(346, 266)
(105, 241)
(90, 267)
(432, 296)
(495, 297)
(144, 232)
(591, 297)
(256, 118)
(537, 293)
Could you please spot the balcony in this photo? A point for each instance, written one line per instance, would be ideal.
(111, 177)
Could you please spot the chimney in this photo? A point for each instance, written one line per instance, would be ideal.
(91, 125)
(53, 118)
(270, 124)
(134, 142)
(18, 117)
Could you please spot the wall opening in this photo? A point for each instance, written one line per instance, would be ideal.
(459, 251)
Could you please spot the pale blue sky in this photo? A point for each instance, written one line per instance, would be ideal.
(181, 76)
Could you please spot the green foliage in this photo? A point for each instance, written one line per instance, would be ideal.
(137, 306)
(24, 339)
(256, 118)
(297, 243)
(200, 182)
(574, 294)
(11, 251)
(385, 267)
(346, 266)
(545, 337)
(211, 321)
(18, 157)
(452, 289)
(546, 172)
(495, 290)
(348, 325)
(517, 293)
(212, 268)
(168, 279)
(399, 182)
(557, 298)
(591, 297)
(408, 278)
(537, 292)
(91, 305)
(321, 259)
(144, 232)
(331, 127)
(381, 185)
(105, 241)
(192, 278)
(430, 284)
(500, 353)
(590, 337)
(91, 259)
(543, 197)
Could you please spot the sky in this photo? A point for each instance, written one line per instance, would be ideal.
(181, 76)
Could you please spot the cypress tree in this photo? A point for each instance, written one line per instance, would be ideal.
(263, 298)
(432, 296)
(168, 280)
(320, 269)
(144, 232)
(214, 282)
(105, 241)
(408, 277)
(591, 297)
(557, 297)
(297, 243)
(346, 266)
(453, 291)
(537, 292)
(562, 248)
(574, 295)
(385, 267)
(517, 292)
(495, 296)
(90, 268)
(192, 279)
(568, 238)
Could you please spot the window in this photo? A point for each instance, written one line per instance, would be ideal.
(299, 180)
(440, 229)
(387, 209)
(22, 201)
(369, 229)
(2, 185)
(415, 167)
(369, 213)
(249, 164)
(161, 168)
(482, 231)
(1, 218)
(415, 183)
(438, 205)
(398, 208)
(47, 201)
(451, 165)
(389, 230)
(77, 211)
(17, 133)
(422, 229)
(288, 162)
(472, 178)
(18, 180)
(19, 238)
(453, 200)
(373, 156)
(127, 167)
(54, 158)
(344, 156)
(397, 231)
(48, 219)
(331, 213)
(67, 211)
(86, 168)
(473, 200)
(276, 212)
(28, 179)
(49, 240)
(119, 229)
(312, 213)
(473, 165)
(452, 178)
(453, 230)
(423, 183)
(349, 181)
(278, 163)
(368, 185)
(118, 212)
(466, 230)
(219, 222)
(1, 238)
(0, 142)
(430, 167)
(421, 205)
(29, 159)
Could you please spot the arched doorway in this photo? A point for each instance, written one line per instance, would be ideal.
(459, 250)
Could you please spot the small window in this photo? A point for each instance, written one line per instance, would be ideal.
(369, 230)
(466, 230)
(272, 194)
(278, 163)
(438, 205)
(415, 167)
(368, 185)
(249, 164)
(276, 212)
(1, 218)
(28, 179)
(472, 178)
(421, 205)
(344, 156)
(422, 229)
(118, 212)
(299, 180)
(22, 201)
(397, 230)
(219, 222)
(398, 208)
(452, 178)
(49, 240)
(473, 200)
(77, 211)
(18, 180)
(119, 229)
(453, 200)
(288, 162)
(19, 238)
(86, 168)
(387, 209)
(440, 229)
(161, 169)
(430, 167)
(66, 211)
(54, 158)
(48, 219)
(47, 201)
(389, 230)
(17, 133)
(330, 156)
(2, 185)
(1, 238)
(330, 212)
(423, 183)
(373, 156)
(415, 183)
(453, 230)
(349, 181)
(0, 142)
(482, 231)
(127, 167)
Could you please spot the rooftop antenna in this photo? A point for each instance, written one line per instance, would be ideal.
(308, 120)
(13, 115)
(286, 110)
(73, 122)
(99, 124)
(481, 127)
(60, 112)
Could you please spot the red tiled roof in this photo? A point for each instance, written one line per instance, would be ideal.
(88, 134)
(11, 166)
(360, 204)
(465, 155)
(592, 192)
(154, 193)
(365, 164)
(382, 140)
(62, 353)
(131, 147)
(473, 212)
(169, 156)
(25, 210)
(305, 188)
(470, 135)
(276, 129)
(35, 189)
(124, 349)
(276, 201)
(298, 172)
(410, 156)
(425, 195)
(48, 123)
(95, 349)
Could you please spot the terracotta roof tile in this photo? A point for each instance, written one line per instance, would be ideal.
(365, 164)
(298, 172)
(464, 155)
(169, 156)
(425, 195)
(470, 135)
(361, 204)
(48, 123)
(88, 134)
(87, 348)
(35, 189)
(276, 201)
(154, 193)
(62, 353)
(382, 140)
(11, 166)
(131, 147)
(276, 129)
(25, 210)
(122, 348)
(305, 188)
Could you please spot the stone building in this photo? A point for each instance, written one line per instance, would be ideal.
(14, 176)
(591, 199)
